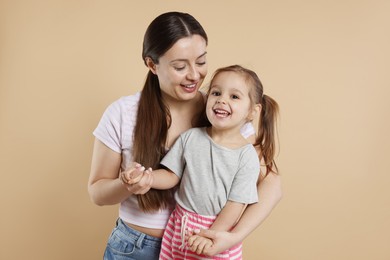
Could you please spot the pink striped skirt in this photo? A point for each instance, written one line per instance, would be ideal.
(174, 245)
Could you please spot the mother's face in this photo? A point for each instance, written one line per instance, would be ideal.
(182, 69)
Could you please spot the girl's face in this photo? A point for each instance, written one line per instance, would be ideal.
(182, 69)
(228, 103)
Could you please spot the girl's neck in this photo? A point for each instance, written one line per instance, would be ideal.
(230, 138)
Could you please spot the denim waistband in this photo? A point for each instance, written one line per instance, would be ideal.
(135, 235)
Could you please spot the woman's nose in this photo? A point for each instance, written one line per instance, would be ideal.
(193, 74)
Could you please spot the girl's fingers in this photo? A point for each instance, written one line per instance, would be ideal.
(191, 240)
(208, 244)
(134, 175)
(197, 245)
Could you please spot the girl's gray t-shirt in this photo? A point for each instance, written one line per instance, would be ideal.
(211, 174)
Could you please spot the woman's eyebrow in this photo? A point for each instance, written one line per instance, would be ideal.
(202, 55)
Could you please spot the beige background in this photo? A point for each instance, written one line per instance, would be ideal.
(327, 63)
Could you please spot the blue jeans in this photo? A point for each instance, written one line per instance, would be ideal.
(126, 243)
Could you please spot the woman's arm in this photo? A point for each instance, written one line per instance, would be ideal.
(269, 192)
(104, 186)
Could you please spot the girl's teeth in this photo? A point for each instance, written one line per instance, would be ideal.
(221, 112)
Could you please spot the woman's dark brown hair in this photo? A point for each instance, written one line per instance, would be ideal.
(153, 118)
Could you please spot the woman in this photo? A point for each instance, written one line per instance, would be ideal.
(142, 127)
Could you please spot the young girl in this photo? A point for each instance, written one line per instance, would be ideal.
(217, 166)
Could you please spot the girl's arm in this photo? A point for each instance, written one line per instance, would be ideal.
(228, 216)
(269, 192)
(164, 179)
(104, 185)
(226, 219)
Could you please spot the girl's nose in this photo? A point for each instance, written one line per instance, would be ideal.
(221, 100)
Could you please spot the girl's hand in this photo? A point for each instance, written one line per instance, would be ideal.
(222, 240)
(199, 244)
(136, 179)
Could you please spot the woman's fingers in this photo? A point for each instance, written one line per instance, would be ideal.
(147, 181)
(143, 185)
(132, 175)
(135, 174)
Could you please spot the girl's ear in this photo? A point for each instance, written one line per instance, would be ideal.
(150, 64)
(255, 111)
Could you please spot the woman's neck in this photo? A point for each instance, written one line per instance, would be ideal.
(183, 114)
(183, 106)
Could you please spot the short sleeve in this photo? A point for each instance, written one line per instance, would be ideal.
(108, 130)
(174, 159)
(244, 186)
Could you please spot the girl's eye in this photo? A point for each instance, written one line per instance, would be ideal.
(215, 93)
(235, 97)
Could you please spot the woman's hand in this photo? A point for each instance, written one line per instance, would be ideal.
(133, 174)
(136, 179)
(222, 240)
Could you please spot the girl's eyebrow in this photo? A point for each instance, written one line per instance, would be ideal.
(233, 89)
(238, 90)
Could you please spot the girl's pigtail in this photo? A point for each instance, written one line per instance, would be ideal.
(266, 139)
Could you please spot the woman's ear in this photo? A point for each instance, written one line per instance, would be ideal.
(150, 64)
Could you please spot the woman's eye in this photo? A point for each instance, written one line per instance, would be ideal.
(201, 63)
(179, 68)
